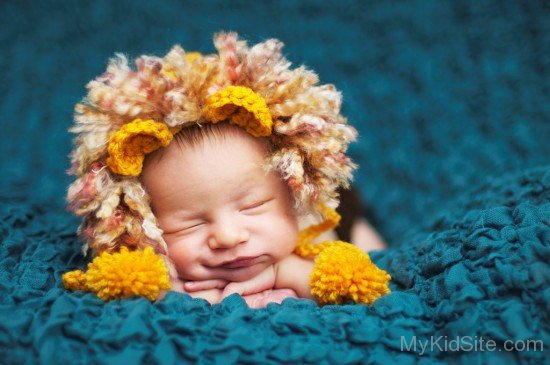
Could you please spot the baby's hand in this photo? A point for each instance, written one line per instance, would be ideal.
(210, 290)
(261, 300)
(257, 292)
(263, 281)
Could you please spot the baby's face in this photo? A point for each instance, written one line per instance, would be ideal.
(215, 205)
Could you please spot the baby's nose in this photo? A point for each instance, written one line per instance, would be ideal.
(227, 235)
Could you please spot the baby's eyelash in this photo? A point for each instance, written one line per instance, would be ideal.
(257, 205)
(185, 229)
(196, 225)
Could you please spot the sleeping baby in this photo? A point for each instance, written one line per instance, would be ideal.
(230, 227)
(208, 167)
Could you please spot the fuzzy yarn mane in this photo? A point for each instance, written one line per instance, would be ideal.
(309, 137)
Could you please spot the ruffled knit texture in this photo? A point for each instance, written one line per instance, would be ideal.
(483, 273)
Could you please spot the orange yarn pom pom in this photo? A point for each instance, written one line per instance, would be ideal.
(343, 272)
(122, 274)
(74, 280)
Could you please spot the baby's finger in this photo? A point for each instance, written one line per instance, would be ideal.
(213, 296)
(261, 300)
(193, 286)
(235, 287)
(265, 280)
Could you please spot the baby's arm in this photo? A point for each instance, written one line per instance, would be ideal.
(293, 272)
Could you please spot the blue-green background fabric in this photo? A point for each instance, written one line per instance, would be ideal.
(451, 100)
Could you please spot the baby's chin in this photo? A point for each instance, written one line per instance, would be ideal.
(231, 275)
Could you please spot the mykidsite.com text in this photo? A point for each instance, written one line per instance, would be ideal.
(422, 346)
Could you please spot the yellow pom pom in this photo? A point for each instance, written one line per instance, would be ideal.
(343, 272)
(74, 280)
(122, 275)
(242, 107)
(128, 146)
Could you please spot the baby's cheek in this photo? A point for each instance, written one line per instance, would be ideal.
(184, 257)
(286, 236)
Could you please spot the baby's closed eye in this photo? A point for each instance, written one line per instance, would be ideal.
(256, 205)
(193, 226)
(186, 228)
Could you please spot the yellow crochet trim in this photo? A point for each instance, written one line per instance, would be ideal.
(342, 272)
(242, 107)
(122, 275)
(128, 146)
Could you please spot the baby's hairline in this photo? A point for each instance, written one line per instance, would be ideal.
(197, 135)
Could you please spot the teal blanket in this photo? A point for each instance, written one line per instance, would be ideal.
(451, 102)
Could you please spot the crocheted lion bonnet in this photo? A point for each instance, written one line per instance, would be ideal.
(129, 113)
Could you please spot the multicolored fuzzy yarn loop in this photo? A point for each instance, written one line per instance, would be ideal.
(129, 145)
(171, 73)
(241, 106)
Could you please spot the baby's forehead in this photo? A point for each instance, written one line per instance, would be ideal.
(231, 164)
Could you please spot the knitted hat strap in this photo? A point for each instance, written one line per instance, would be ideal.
(331, 220)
